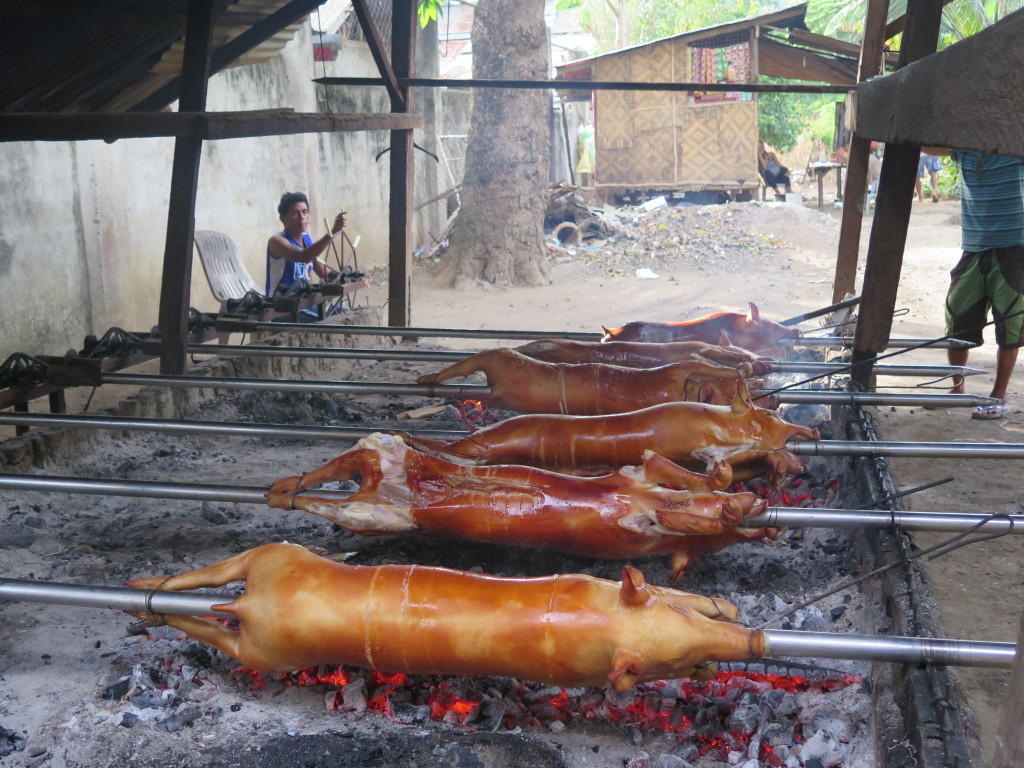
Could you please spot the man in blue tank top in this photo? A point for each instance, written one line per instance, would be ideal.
(990, 275)
(292, 253)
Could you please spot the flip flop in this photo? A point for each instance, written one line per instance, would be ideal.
(987, 412)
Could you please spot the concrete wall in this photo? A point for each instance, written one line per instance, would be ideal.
(83, 226)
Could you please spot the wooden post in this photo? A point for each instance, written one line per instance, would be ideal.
(403, 41)
(181, 224)
(1009, 751)
(857, 166)
(892, 209)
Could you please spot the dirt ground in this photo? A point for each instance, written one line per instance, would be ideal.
(981, 587)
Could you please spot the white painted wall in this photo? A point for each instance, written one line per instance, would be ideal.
(83, 224)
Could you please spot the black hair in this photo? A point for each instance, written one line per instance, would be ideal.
(288, 199)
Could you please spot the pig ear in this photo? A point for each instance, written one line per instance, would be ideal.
(608, 335)
(634, 589)
(724, 340)
(753, 316)
(627, 666)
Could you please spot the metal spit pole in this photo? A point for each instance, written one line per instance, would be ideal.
(943, 522)
(248, 326)
(222, 428)
(852, 302)
(775, 517)
(237, 494)
(479, 392)
(441, 356)
(118, 598)
(778, 642)
(908, 650)
(907, 449)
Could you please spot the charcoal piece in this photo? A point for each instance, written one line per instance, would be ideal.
(178, 720)
(671, 761)
(213, 515)
(118, 690)
(10, 742)
(152, 700)
(641, 760)
(354, 696)
(128, 720)
(837, 612)
(824, 747)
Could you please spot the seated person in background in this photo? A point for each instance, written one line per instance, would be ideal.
(292, 253)
(772, 171)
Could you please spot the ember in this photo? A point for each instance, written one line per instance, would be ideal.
(802, 490)
(729, 712)
(474, 414)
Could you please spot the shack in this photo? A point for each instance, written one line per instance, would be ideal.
(693, 141)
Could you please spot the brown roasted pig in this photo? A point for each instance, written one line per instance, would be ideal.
(751, 332)
(716, 436)
(526, 385)
(640, 354)
(301, 610)
(625, 514)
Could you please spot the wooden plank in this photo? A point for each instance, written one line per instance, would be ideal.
(779, 60)
(46, 126)
(229, 52)
(181, 223)
(403, 49)
(1009, 752)
(897, 25)
(892, 210)
(377, 51)
(963, 97)
(590, 85)
(93, 13)
(857, 166)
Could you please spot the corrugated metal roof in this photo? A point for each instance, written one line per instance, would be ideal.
(108, 55)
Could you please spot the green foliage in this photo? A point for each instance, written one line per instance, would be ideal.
(961, 18)
(429, 10)
(785, 117)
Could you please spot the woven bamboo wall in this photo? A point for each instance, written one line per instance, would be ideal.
(656, 139)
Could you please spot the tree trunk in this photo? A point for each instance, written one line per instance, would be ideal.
(498, 236)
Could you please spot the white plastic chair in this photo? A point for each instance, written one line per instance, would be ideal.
(225, 272)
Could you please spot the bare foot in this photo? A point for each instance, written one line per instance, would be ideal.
(958, 386)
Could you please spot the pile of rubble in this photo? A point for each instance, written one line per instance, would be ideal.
(642, 239)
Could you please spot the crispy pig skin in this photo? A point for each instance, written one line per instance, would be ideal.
(750, 331)
(641, 354)
(720, 437)
(301, 610)
(526, 385)
(621, 515)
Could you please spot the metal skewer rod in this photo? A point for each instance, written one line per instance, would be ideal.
(788, 366)
(480, 392)
(118, 598)
(820, 312)
(943, 522)
(907, 449)
(291, 432)
(832, 342)
(221, 428)
(778, 642)
(790, 517)
(909, 650)
(249, 326)
(442, 356)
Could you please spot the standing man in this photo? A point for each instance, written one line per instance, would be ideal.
(990, 275)
(292, 253)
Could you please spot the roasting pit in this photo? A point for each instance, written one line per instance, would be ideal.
(84, 687)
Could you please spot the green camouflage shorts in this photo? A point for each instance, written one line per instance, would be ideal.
(984, 280)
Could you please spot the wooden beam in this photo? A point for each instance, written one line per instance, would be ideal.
(109, 126)
(892, 210)
(777, 59)
(89, 13)
(377, 51)
(897, 25)
(963, 97)
(589, 85)
(857, 165)
(234, 49)
(403, 50)
(181, 222)
(803, 37)
(1009, 752)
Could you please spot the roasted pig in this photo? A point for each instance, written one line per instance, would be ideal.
(526, 385)
(624, 514)
(301, 610)
(719, 437)
(640, 354)
(751, 332)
